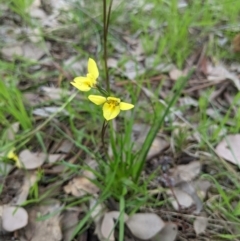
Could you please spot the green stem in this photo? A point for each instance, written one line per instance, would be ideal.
(106, 20)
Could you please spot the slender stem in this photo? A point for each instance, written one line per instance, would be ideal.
(104, 127)
(106, 19)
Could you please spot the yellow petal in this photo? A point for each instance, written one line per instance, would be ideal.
(114, 99)
(83, 86)
(97, 99)
(125, 106)
(110, 112)
(92, 68)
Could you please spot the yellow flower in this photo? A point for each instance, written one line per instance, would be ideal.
(111, 105)
(12, 155)
(86, 83)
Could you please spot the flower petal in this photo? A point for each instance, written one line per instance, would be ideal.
(92, 68)
(97, 99)
(82, 85)
(110, 112)
(125, 106)
(114, 99)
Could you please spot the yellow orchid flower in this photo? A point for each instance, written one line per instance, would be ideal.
(13, 156)
(86, 83)
(111, 105)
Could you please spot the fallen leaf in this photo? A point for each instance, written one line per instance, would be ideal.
(30, 160)
(69, 221)
(112, 63)
(64, 146)
(9, 52)
(80, 186)
(183, 199)
(48, 111)
(200, 225)
(157, 146)
(52, 158)
(12, 130)
(43, 229)
(99, 210)
(219, 73)
(145, 225)
(53, 93)
(185, 172)
(14, 218)
(201, 187)
(168, 233)
(107, 227)
(229, 149)
(175, 74)
(188, 188)
(28, 182)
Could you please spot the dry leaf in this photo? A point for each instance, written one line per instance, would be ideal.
(200, 225)
(201, 187)
(53, 93)
(28, 182)
(145, 225)
(107, 226)
(229, 149)
(188, 188)
(98, 211)
(30, 160)
(157, 146)
(48, 111)
(175, 74)
(112, 63)
(80, 186)
(183, 199)
(168, 233)
(69, 222)
(12, 130)
(14, 218)
(64, 147)
(185, 172)
(52, 158)
(220, 72)
(9, 52)
(46, 229)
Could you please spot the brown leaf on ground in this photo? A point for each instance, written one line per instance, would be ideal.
(12, 130)
(46, 229)
(236, 43)
(54, 93)
(140, 132)
(168, 233)
(176, 74)
(229, 149)
(200, 225)
(52, 158)
(14, 218)
(69, 221)
(186, 172)
(179, 197)
(80, 186)
(31, 160)
(107, 226)
(28, 182)
(145, 225)
(64, 146)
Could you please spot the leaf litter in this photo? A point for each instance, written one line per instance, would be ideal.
(184, 188)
